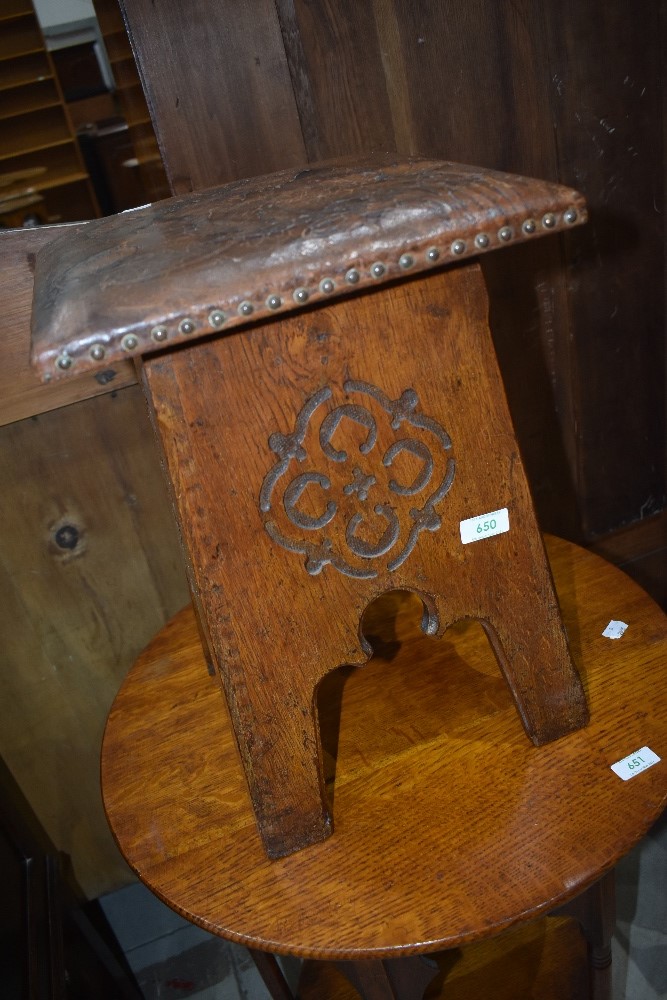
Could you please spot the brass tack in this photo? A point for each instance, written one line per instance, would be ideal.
(64, 362)
(97, 352)
(432, 253)
(352, 276)
(186, 326)
(327, 286)
(378, 269)
(159, 333)
(274, 302)
(246, 308)
(458, 247)
(129, 342)
(482, 241)
(300, 295)
(406, 260)
(529, 227)
(549, 220)
(570, 215)
(216, 318)
(505, 234)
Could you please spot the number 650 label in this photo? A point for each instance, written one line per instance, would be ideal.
(484, 525)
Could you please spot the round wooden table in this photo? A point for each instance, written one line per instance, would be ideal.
(449, 825)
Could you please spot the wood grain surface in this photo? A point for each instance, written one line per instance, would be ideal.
(90, 568)
(187, 267)
(545, 958)
(322, 459)
(578, 326)
(450, 825)
(218, 89)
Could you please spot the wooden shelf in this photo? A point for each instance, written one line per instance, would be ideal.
(69, 202)
(24, 70)
(147, 160)
(25, 52)
(134, 105)
(118, 46)
(39, 130)
(38, 145)
(125, 72)
(19, 36)
(15, 8)
(13, 11)
(53, 179)
(60, 165)
(32, 97)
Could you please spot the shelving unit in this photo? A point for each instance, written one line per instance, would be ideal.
(146, 159)
(42, 172)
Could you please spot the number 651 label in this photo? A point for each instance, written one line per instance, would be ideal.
(484, 526)
(635, 763)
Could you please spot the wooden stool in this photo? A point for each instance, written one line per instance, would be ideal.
(320, 458)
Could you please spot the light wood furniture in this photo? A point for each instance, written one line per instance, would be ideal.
(354, 449)
(275, 435)
(449, 825)
(583, 366)
(39, 154)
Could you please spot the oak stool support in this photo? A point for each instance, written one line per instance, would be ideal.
(324, 460)
(319, 457)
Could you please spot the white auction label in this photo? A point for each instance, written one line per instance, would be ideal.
(614, 630)
(484, 525)
(635, 763)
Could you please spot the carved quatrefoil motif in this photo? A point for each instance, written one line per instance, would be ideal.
(357, 506)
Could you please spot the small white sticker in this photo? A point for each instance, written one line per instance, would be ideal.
(614, 630)
(484, 525)
(635, 763)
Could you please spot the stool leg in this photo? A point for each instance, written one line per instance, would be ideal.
(395, 979)
(595, 909)
(272, 975)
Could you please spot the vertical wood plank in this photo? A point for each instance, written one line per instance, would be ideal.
(607, 123)
(90, 568)
(340, 83)
(218, 88)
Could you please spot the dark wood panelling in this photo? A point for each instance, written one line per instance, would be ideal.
(50, 949)
(471, 74)
(341, 89)
(641, 551)
(534, 89)
(605, 89)
(218, 88)
(529, 320)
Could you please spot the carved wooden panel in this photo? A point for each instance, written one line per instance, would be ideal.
(320, 460)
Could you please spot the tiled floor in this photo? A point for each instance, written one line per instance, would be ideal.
(172, 959)
(640, 945)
